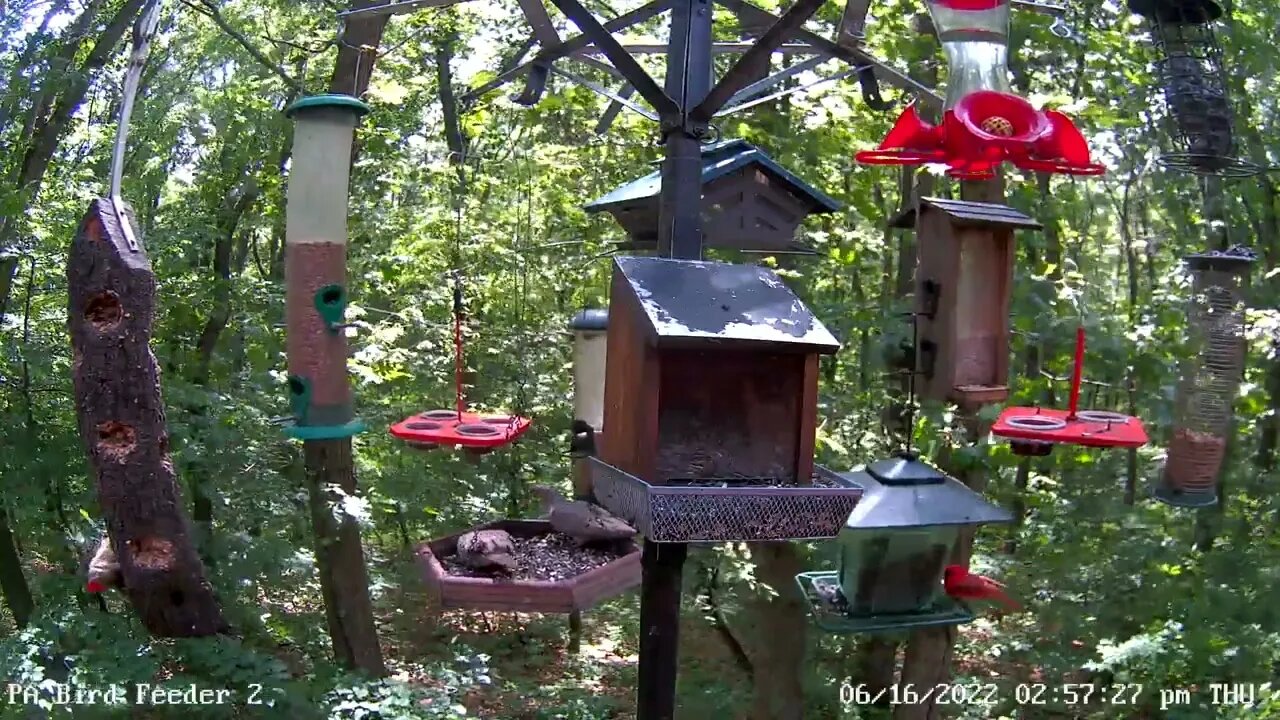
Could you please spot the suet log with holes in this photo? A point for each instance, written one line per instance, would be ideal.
(1210, 379)
(749, 203)
(711, 406)
(962, 295)
(893, 550)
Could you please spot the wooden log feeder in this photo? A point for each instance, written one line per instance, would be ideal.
(711, 395)
(749, 203)
(1211, 372)
(551, 574)
(316, 267)
(120, 412)
(962, 296)
(893, 550)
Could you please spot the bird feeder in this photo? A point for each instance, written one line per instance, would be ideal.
(962, 294)
(983, 122)
(590, 333)
(565, 593)
(1198, 113)
(316, 266)
(1210, 380)
(894, 548)
(749, 203)
(711, 391)
(1034, 430)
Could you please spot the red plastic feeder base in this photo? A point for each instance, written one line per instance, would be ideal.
(1091, 428)
(471, 431)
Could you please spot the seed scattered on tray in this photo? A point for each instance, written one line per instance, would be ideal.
(551, 557)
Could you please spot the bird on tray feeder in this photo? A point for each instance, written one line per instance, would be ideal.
(894, 549)
(983, 122)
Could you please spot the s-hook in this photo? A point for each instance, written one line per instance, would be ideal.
(143, 32)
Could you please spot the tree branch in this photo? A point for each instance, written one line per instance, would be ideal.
(211, 11)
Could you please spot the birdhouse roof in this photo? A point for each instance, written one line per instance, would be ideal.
(964, 213)
(902, 492)
(689, 302)
(719, 159)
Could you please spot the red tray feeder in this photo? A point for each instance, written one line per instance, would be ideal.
(474, 432)
(1034, 431)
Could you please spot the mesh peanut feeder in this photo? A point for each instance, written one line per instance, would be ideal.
(1198, 113)
(1210, 378)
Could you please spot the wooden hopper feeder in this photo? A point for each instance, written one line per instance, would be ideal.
(505, 594)
(750, 203)
(1210, 380)
(711, 392)
(894, 548)
(962, 293)
(1034, 430)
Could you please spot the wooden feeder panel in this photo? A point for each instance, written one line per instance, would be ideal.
(964, 277)
(712, 372)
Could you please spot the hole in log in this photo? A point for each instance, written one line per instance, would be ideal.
(93, 230)
(116, 440)
(153, 553)
(176, 597)
(104, 311)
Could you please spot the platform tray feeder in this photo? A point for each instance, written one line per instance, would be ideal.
(477, 590)
(750, 203)
(1209, 379)
(894, 548)
(475, 432)
(711, 392)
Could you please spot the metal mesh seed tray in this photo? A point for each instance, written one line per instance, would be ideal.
(735, 510)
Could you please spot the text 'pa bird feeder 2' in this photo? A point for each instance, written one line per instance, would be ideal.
(1035, 430)
(586, 580)
(316, 266)
(1210, 380)
(894, 548)
(750, 203)
(711, 397)
(983, 122)
(1198, 113)
(963, 289)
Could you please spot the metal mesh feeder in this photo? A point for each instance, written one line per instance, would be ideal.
(894, 548)
(727, 509)
(1210, 379)
(1199, 116)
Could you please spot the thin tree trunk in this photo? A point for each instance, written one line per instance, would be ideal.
(778, 662)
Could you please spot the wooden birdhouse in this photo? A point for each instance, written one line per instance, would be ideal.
(711, 390)
(750, 203)
(962, 293)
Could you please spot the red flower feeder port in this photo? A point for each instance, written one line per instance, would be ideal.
(599, 575)
(1034, 431)
(450, 428)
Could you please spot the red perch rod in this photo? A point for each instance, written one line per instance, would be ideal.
(1076, 372)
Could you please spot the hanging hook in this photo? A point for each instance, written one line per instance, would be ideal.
(143, 32)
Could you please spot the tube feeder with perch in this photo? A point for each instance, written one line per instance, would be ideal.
(893, 550)
(1200, 123)
(750, 203)
(983, 123)
(711, 407)
(1210, 379)
(962, 295)
(1034, 431)
(590, 330)
(316, 267)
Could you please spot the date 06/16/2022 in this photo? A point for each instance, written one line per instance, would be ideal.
(991, 694)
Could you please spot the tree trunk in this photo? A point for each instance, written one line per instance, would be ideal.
(17, 593)
(778, 662)
(111, 307)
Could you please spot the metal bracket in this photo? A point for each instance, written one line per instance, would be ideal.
(870, 87)
(605, 92)
(615, 107)
(535, 84)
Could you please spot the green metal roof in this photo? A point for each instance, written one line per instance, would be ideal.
(329, 101)
(718, 159)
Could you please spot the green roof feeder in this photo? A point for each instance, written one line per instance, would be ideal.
(893, 550)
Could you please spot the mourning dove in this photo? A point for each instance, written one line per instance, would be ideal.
(103, 572)
(487, 549)
(581, 520)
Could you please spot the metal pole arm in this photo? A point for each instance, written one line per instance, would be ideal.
(754, 61)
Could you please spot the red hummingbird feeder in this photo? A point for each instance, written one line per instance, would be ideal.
(983, 122)
(477, 433)
(1034, 430)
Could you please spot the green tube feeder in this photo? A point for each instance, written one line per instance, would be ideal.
(300, 403)
(894, 548)
(331, 303)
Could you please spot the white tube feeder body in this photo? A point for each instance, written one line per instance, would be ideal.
(590, 330)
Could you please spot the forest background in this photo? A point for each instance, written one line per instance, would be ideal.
(1119, 587)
